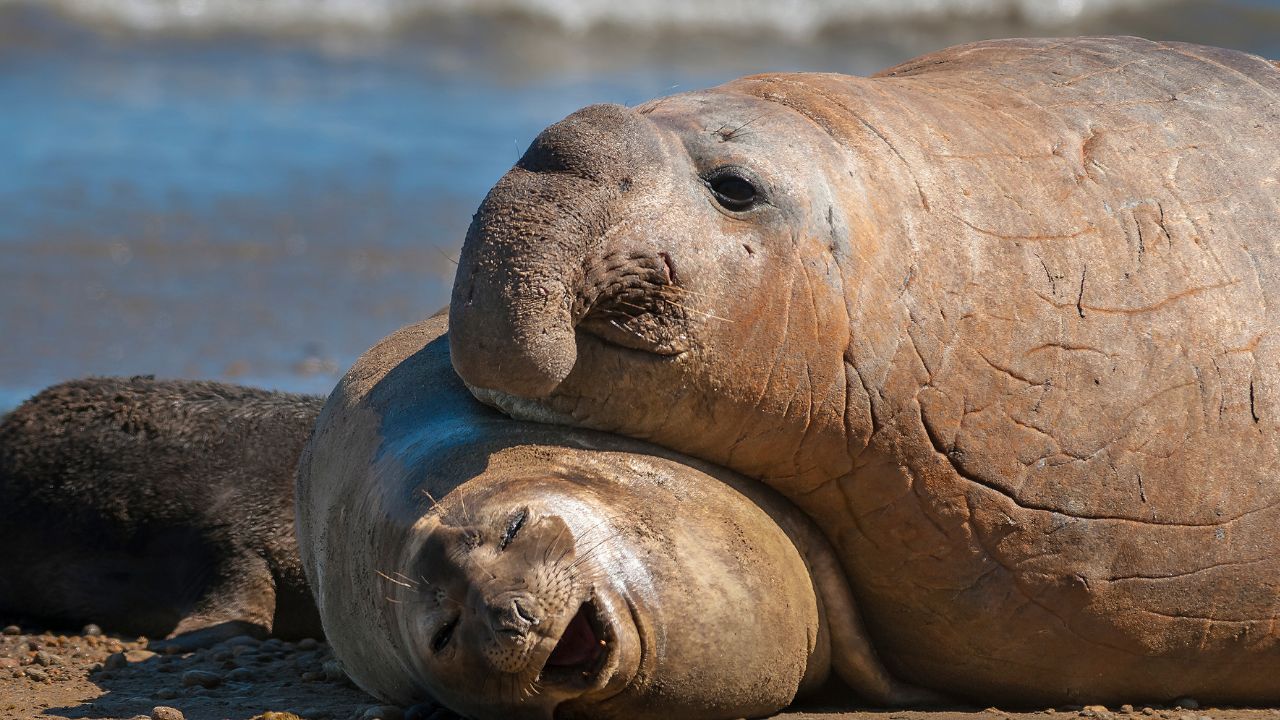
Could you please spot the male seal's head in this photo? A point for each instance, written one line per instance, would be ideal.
(665, 239)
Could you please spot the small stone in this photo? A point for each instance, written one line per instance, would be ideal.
(137, 656)
(308, 644)
(241, 641)
(1095, 708)
(242, 675)
(11, 630)
(91, 630)
(421, 711)
(1148, 710)
(45, 659)
(166, 694)
(383, 712)
(203, 678)
(1187, 703)
(164, 712)
(273, 715)
(333, 671)
(37, 674)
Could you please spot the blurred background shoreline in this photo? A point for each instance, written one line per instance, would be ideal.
(258, 190)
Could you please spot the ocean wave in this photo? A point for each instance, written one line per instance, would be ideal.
(797, 18)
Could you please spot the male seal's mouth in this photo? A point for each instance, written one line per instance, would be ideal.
(651, 323)
(634, 302)
(582, 652)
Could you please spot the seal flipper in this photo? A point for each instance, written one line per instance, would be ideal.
(240, 601)
(852, 655)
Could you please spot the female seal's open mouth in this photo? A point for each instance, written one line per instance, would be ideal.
(582, 652)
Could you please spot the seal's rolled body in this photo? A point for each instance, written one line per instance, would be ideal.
(509, 569)
(1001, 319)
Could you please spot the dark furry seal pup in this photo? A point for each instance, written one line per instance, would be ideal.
(155, 507)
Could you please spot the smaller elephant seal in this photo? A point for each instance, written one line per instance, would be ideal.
(162, 508)
(519, 570)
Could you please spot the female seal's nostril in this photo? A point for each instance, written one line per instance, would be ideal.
(524, 613)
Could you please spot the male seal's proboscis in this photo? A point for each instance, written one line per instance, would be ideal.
(510, 569)
(1001, 320)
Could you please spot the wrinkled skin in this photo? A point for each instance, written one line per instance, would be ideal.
(508, 569)
(1000, 319)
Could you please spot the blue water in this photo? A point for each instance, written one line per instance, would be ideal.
(262, 207)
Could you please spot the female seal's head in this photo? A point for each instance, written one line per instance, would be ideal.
(569, 596)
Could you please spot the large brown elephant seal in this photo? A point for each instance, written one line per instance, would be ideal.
(510, 569)
(155, 507)
(1001, 319)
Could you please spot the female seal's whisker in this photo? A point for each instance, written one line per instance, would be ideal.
(434, 503)
(401, 583)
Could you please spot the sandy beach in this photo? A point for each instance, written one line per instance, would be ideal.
(91, 677)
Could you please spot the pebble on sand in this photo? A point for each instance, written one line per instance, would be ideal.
(11, 630)
(164, 712)
(203, 678)
(241, 640)
(383, 712)
(333, 671)
(121, 659)
(45, 659)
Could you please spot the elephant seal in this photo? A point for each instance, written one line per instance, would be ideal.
(1001, 320)
(155, 507)
(510, 569)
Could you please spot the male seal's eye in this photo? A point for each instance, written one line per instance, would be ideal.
(732, 190)
(443, 635)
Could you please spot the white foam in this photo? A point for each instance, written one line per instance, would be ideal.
(791, 17)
